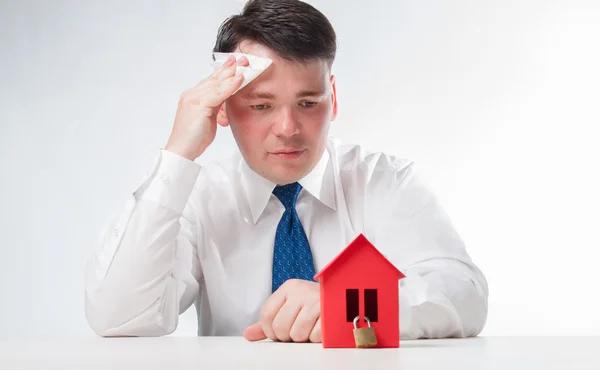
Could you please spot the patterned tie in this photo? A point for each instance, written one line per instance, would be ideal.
(292, 258)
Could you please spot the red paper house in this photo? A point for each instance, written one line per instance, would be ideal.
(361, 282)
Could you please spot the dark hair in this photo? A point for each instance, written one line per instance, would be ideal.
(295, 30)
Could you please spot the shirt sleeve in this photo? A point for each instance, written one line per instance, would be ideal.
(144, 270)
(444, 294)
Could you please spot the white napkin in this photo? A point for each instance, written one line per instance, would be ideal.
(256, 67)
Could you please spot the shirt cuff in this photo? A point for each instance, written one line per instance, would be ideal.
(170, 182)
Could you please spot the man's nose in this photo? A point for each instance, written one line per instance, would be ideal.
(286, 125)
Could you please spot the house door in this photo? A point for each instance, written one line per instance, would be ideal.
(369, 300)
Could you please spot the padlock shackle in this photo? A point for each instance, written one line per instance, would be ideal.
(355, 321)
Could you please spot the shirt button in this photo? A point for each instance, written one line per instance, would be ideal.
(165, 179)
(116, 232)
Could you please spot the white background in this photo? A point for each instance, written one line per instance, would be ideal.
(498, 101)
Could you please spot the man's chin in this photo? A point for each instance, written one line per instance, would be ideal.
(286, 175)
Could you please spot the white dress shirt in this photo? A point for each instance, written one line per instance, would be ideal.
(204, 235)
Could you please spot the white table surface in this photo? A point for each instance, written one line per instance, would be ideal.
(543, 353)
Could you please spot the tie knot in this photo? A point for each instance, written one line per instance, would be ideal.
(287, 194)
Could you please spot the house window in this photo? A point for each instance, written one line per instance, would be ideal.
(351, 304)
(371, 304)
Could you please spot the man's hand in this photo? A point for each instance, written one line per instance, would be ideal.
(195, 124)
(292, 313)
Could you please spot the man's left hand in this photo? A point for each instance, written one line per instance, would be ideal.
(292, 313)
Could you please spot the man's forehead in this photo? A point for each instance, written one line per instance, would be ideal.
(257, 92)
(263, 51)
(277, 81)
(283, 76)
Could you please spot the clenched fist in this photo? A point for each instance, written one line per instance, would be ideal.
(292, 313)
(195, 124)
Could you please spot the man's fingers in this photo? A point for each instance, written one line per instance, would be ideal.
(283, 321)
(304, 323)
(243, 61)
(254, 332)
(269, 311)
(315, 335)
(230, 71)
(226, 70)
(220, 85)
(221, 91)
(230, 61)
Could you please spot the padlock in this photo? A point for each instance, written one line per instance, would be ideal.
(364, 337)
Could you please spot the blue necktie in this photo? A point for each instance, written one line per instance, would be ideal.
(292, 258)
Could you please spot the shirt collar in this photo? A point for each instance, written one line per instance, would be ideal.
(319, 183)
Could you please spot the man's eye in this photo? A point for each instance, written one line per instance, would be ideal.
(308, 104)
(259, 107)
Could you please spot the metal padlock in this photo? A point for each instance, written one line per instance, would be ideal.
(364, 337)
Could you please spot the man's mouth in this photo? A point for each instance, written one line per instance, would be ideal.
(288, 153)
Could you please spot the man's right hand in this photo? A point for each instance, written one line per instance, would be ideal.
(195, 124)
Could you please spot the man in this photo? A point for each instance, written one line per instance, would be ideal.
(216, 235)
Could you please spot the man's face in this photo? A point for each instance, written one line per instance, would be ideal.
(281, 120)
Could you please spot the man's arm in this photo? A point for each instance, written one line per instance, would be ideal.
(145, 270)
(444, 294)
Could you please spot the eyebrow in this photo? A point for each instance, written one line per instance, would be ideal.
(258, 95)
(267, 95)
(307, 93)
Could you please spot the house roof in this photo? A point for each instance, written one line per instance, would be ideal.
(360, 242)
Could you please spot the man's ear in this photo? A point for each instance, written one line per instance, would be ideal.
(222, 116)
(334, 111)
